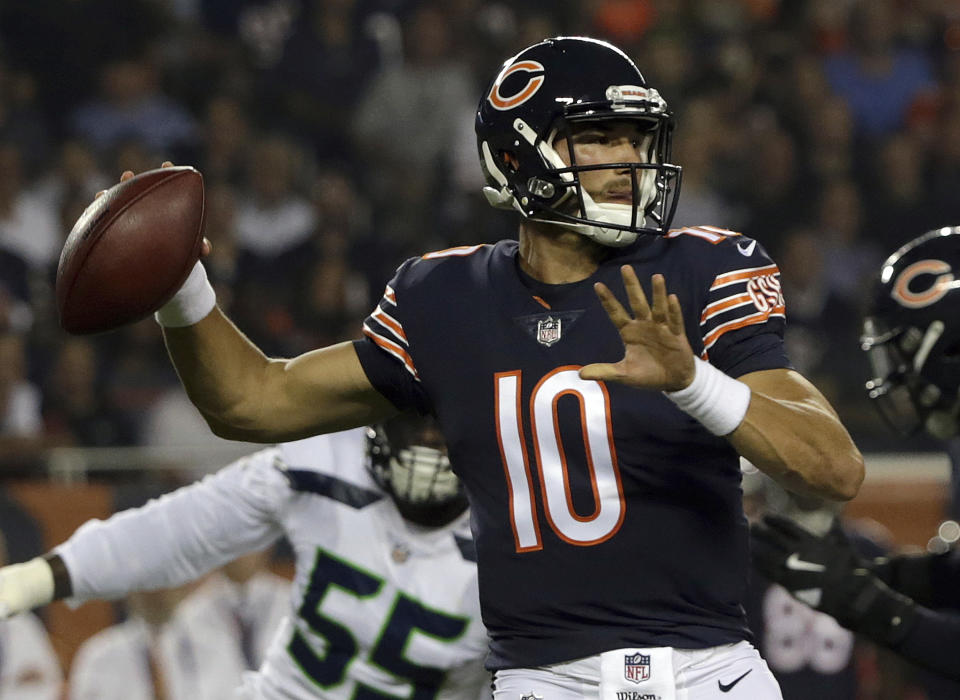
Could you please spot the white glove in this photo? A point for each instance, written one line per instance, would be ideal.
(25, 586)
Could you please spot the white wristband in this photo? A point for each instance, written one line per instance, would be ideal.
(191, 303)
(715, 399)
(25, 586)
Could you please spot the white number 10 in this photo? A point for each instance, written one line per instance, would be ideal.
(551, 461)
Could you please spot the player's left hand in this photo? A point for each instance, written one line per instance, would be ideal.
(657, 354)
(827, 574)
(810, 566)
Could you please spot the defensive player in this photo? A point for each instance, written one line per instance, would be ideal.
(913, 346)
(384, 598)
(600, 458)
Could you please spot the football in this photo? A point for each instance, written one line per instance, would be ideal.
(130, 250)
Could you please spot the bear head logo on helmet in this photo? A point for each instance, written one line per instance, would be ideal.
(535, 99)
(912, 339)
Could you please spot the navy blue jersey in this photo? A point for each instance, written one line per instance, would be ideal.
(604, 516)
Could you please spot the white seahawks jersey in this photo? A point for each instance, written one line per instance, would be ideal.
(379, 608)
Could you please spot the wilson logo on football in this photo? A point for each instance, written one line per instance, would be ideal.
(524, 93)
(765, 292)
(907, 294)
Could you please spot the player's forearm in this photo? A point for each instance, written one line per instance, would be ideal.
(802, 445)
(932, 641)
(221, 371)
(180, 537)
(929, 579)
(243, 395)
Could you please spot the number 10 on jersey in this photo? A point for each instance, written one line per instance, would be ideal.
(550, 457)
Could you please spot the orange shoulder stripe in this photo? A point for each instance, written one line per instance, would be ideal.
(393, 349)
(724, 304)
(740, 275)
(390, 322)
(750, 320)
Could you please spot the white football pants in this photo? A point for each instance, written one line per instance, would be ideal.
(729, 672)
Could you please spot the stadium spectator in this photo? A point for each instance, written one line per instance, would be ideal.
(21, 425)
(878, 78)
(29, 228)
(132, 106)
(157, 652)
(850, 258)
(75, 411)
(425, 98)
(247, 602)
(317, 105)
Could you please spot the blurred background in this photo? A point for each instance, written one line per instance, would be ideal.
(336, 139)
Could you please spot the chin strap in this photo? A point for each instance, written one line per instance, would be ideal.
(499, 199)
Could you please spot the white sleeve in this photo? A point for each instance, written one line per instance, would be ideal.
(182, 535)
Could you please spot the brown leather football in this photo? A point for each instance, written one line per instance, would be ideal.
(131, 250)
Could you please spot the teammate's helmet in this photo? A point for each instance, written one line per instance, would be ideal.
(408, 458)
(534, 99)
(912, 338)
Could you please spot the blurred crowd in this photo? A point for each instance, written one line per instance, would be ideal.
(336, 139)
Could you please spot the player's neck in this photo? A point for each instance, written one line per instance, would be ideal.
(556, 255)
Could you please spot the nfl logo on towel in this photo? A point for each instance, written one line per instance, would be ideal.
(548, 331)
(636, 667)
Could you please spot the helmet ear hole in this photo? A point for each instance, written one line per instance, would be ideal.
(510, 159)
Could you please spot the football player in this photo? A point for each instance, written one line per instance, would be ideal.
(913, 348)
(595, 380)
(384, 599)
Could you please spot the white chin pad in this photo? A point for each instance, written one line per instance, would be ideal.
(622, 214)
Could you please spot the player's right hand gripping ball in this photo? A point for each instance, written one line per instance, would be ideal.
(131, 250)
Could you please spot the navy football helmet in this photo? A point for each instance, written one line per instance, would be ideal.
(408, 458)
(911, 336)
(534, 99)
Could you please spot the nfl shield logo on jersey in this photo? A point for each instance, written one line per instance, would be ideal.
(636, 667)
(548, 331)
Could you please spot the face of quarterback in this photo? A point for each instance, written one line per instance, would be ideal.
(605, 142)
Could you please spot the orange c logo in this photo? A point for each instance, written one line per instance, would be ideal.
(916, 300)
(526, 92)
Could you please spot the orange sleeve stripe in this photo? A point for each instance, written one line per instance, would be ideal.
(390, 295)
(718, 307)
(390, 323)
(393, 349)
(753, 319)
(740, 275)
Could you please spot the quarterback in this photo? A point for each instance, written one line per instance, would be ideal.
(594, 379)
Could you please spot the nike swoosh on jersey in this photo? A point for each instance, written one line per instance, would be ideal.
(746, 250)
(795, 563)
(729, 686)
